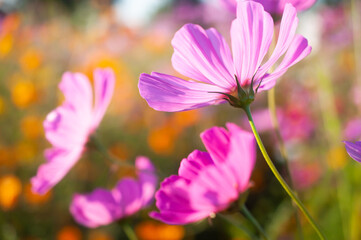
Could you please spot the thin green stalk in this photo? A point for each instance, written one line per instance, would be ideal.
(273, 112)
(102, 149)
(129, 232)
(235, 223)
(279, 177)
(254, 221)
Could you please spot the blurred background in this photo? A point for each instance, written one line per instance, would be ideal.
(318, 107)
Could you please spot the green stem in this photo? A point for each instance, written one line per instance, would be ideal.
(102, 149)
(279, 177)
(129, 232)
(273, 112)
(254, 221)
(235, 223)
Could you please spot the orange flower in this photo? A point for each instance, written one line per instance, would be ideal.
(99, 235)
(32, 127)
(33, 198)
(23, 93)
(10, 189)
(161, 140)
(30, 60)
(2, 106)
(25, 151)
(69, 233)
(154, 231)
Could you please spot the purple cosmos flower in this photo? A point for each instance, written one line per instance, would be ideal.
(208, 182)
(275, 7)
(354, 150)
(204, 56)
(68, 127)
(102, 207)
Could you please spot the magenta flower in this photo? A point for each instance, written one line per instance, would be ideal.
(354, 150)
(275, 7)
(102, 207)
(208, 182)
(204, 56)
(68, 127)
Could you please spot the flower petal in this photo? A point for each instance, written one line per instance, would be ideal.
(251, 34)
(242, 155)
(216, 140)
(298, 50)
(104, 81)
(171, 94)
(58, 164)
(203, 56)
(354, 150)
(287, 32)
(95, 209)
(194, 163)
(148, 179)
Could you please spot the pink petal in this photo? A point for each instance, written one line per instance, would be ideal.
(216, 140)
(171, 94)
(287, 32)
(95, 209)
(128, 193)
(148, 179)
(104, 82)
(59, 162)
(174, 203)
(193, 164)
(242, 155)
(203, 56)
(251, 35)
(65, 129)
(298, 50)
(214, 189)
(78, 93)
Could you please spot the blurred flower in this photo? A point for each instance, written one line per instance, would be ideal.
(69, 233)
(305, 175)
(275, 7)
(25, 151)
(23, 93)
(208, 182)
(2, 105)
(295, 122)
(102, 207)
(10, 189)
(68, 127)
(337, 156)
(149, 230)
(31, 126)
(354, 150)
(6, 44)
(30, 60)
(353, 129)
(34, 198)
(99, 235)
(204, 56)
(161, 140)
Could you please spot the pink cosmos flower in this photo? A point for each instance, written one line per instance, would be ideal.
(275, 7)
(208, 182)
(68, 127)
(354, 150)
(204, 56)
(102, 207)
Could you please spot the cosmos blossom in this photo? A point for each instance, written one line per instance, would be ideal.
(68, 127)
(354, 150)
(102, 207)
(208, 182)
(205, 58)
(275, 7)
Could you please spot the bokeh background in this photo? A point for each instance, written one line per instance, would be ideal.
(318, 106)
